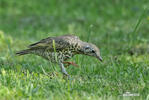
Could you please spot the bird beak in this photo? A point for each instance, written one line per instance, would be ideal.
(100, 58)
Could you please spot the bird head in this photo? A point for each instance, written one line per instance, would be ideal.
(91, 50)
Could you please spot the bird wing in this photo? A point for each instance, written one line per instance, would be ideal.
(58, 43)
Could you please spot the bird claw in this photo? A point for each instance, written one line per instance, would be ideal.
(70, 63)
(66, 76)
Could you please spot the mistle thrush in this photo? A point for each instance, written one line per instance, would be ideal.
(61, 48)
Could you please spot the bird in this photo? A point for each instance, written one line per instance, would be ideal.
(61, 48)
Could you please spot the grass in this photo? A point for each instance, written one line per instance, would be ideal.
(118, 27)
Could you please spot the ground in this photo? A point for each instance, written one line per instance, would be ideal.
(118, 27)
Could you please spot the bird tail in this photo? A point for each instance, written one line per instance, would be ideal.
(23, 52)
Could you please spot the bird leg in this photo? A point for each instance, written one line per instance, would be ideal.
(63, 69)
(70, 63)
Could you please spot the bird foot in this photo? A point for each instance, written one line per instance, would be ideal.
(66, 76)
(70, 63)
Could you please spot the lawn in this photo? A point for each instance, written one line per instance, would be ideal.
(118, 27)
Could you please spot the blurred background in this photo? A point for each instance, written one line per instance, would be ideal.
(118, 27)
(101, 22)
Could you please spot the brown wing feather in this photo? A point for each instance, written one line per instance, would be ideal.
(42, 43)
(61, 42)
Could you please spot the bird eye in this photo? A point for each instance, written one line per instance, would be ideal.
(93, 51)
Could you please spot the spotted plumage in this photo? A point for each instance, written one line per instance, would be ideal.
(59, 49)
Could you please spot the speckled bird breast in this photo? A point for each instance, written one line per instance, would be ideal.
(58, 56)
